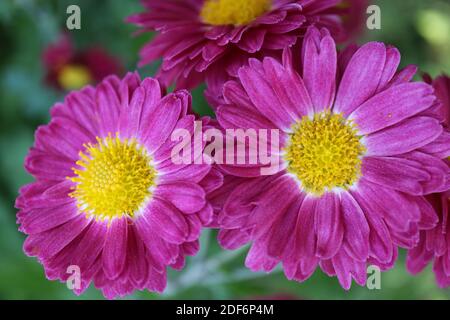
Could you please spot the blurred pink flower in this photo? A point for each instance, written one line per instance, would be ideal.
(70, 69)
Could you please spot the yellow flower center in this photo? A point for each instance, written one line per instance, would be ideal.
(115, 178)
(235, 12)
(324, 153)
(73, 77)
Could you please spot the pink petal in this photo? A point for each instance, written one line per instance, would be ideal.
(404, 137)
(361, 77)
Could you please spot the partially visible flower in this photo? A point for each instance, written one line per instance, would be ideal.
(107, 196)
(210, 39)
(355, 160)
(351, 13)
(434, 244)
(70, 69)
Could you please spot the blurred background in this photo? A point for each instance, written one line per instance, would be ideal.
(28, 88)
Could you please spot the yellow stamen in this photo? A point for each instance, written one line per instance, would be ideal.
(115, 178)
(234, 12)
(73, 77)
(324, 153)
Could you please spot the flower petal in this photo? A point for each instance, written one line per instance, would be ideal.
(392, 106)
(328, 226)
(187, 196)
(319, 68)
(404, 137)
(361, 77)
(115, 249)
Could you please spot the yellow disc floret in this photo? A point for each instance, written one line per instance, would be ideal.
(324, 153)
(73, 77)
(114, 179)
(233, 12)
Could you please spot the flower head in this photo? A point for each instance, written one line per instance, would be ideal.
(434, 244)
(353, 164)
(210, 39)
(69, 69)
(107, 197)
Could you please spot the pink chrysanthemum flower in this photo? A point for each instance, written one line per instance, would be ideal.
(107, 196)
(71, 69)
(353, 161)
(200, 39)
(434, 244)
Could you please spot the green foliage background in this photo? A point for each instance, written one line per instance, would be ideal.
(420, 29)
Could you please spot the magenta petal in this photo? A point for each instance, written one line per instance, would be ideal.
(49, 243)
(440, 147)
(319, 68)
(152, 92)
(159, 124)
(235, 94)
(345, 267)
(428, 216)
(392, 61)
(275, 203)
(361, 77)
(108, 108)
(418, 257)
(282, 231)
(437, 169)
(48, 196)
(404, 137)
(164, 217)
(240, 201)
(213, 181)
(239, 117)
(194, 227)
(289, 88)
(305, 238)
(260, 91)
(164, 153)
(45, 166)
(135, 257)
(82, 106)
(252, 40)
(404, 75)
(441, 270)
(356, 236)
(380, 242)
(398, 212)
(193, 172)
(187, 196)
(328, 226)
(63, 137)
(90, 246)
(232, 239)
(161, 251)
(129, 120)
(392, 106)
(43, 219)
(257, 259)
(84, 251)
(396, 173)
(206, 215)
(115, 249)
